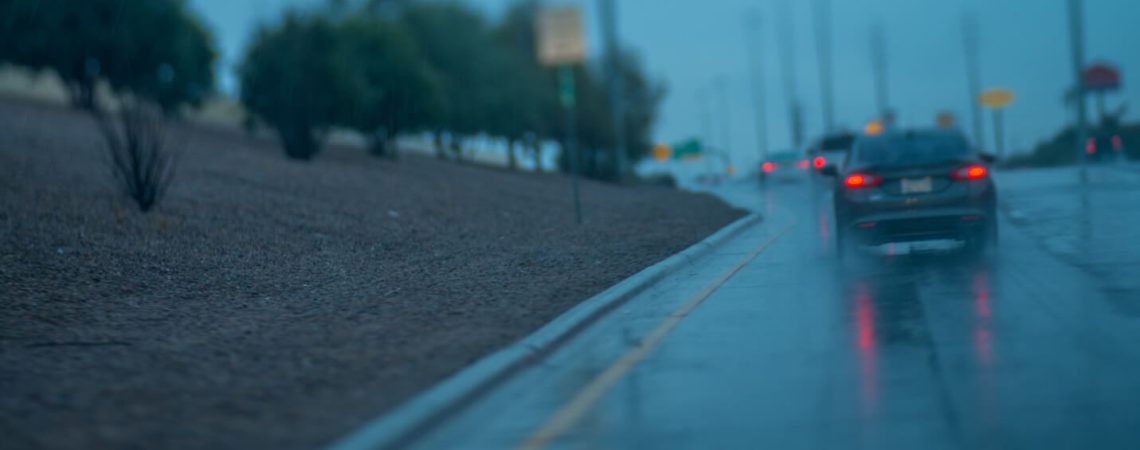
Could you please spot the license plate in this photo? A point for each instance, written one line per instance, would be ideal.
(917, 185)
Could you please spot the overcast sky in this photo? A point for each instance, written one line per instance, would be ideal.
(690, 44)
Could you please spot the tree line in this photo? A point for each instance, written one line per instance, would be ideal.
(384, 68)
(389, 68)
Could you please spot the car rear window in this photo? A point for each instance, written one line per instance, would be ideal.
(837, 143)
(912, 149)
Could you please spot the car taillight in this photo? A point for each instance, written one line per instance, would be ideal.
(971, 172)
(1117, 143)
(1090, 146)
(802, 164)
(819, 162)
(768, 166)
(861, 180)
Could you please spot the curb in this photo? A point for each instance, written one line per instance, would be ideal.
(401, 426)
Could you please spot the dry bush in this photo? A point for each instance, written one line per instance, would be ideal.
(139, 157)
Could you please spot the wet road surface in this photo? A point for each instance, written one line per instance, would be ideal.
(771, 342)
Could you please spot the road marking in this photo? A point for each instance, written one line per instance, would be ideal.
(569, 413)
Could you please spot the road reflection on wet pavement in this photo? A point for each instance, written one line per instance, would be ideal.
(1024, 348)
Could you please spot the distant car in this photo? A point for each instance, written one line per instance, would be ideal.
(1105, 147)
(784, 166)
(914, 186)
(831, 150)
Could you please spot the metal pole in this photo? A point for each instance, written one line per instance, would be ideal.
(566, 81)
(788, 63)
(725, 113)
(759, 82)
(879, 65)
(999, 138)
(973, 75)
(1076, 35)
(706, 126)
(823, 50)
(616, 83)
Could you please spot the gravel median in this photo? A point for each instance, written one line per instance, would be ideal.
(275, 304)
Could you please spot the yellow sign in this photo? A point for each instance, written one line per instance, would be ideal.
(946, 119)
(873, 128)
(662, 152)
(996, 98)
(561, 40)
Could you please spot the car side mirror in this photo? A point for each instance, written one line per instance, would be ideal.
(830, 171)
(987, 158)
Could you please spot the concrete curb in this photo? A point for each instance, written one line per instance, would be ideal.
(403, 425)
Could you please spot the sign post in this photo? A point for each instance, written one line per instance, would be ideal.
(997, 99)
(1077, 44)
(1100, 79)
(561, 44)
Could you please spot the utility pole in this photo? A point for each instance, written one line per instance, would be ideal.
(616, 83)
(1077, 39)
(706, 126)
(879, 65)
(823, 51)
(725, 112)
(788, 64)
(970, 37)
(755, 45)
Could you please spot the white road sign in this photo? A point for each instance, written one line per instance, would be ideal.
(561, 40)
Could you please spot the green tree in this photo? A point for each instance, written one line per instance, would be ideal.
(401, 92)
(457, 42)
(595, 124)
(300, 77)
(153, 49)
(531, 104)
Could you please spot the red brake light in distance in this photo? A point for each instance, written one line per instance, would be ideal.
(819, 162)
(1117, 143)
(802, 164)
(972, 172)
(768, 166)
(1090, 146)
(859, 180)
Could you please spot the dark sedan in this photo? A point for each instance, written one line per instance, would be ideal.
(921, 185)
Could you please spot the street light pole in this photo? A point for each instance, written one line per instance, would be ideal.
(1077, 38)
(616, 83)
(759, 81)
(879, 65)
(823, 50)
(973, 74)
(725, 112)
(788, 64)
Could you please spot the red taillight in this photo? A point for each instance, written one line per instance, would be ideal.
(859, 180)
(973, 172)
(1117, 143)
(768, 166)
(802, 164)
(819, 162)
(1090, 146)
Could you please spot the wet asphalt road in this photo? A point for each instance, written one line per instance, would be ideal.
(773, 343)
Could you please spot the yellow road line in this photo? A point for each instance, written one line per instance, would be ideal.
(570, 412)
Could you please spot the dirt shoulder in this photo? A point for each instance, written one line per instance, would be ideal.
(274, 304)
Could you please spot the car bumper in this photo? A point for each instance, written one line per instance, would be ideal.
(943, 223)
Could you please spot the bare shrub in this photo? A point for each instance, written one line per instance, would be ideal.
(139, 157)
